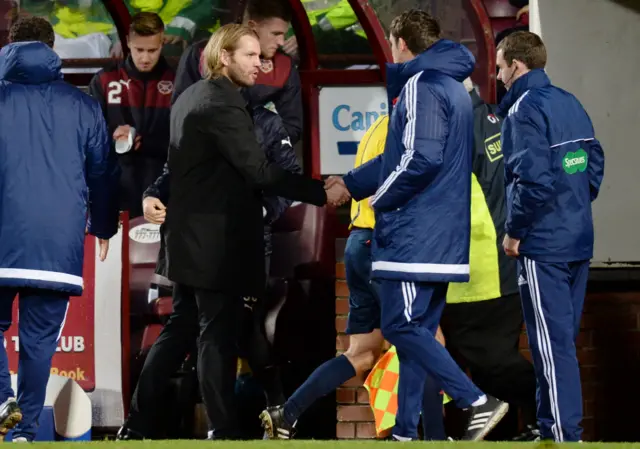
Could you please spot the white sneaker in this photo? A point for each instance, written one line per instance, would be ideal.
(20, 440)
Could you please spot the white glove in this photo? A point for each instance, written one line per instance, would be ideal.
(264, 211)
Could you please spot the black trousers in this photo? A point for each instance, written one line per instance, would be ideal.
(137, 173)
(213, 319)
(483, 337)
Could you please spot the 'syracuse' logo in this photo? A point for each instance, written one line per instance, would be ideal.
(575, 162)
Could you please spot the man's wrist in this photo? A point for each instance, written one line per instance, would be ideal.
(515, 233)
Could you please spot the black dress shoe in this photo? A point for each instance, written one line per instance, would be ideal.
(127, 434)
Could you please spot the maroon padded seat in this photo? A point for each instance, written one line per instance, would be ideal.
(302, 313)
(303, 242)
(162, 307)
(144, 244)
(501, 14)
(300, 251)
(150, 335)
(301, 280)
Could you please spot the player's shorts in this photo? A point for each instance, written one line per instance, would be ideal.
(364, 308)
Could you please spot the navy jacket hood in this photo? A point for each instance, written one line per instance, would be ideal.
(445, 56)
(29, 63)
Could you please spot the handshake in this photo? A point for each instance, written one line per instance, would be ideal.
(337, 192)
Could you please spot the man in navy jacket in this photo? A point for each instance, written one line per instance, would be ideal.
(56, 168)
(554, 166)
(421, 187)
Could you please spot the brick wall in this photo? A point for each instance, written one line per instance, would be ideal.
(355, 419)
(608, 351)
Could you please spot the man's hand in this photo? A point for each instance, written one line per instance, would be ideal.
(170, 40)
(440, 337)
(116, 50)
(337, 192)
(122, 133)
(154, 211)
(511, 246)
(104, 249)
(332, 181)
(523, 10)
(290, 46)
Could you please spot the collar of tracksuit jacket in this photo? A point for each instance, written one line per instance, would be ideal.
(155, 73)
(445, 56)
(534, 78)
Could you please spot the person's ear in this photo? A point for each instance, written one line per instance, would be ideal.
(225, 58)
(519, 65)
(402, 45)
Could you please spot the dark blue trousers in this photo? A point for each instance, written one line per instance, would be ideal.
(410, 315)
(41, 318)
(364, 317)
(552, 300)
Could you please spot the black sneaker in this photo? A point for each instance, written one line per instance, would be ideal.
(274, 424)
(531, 434)
(125, 434)
(484, 418)
(10, 415)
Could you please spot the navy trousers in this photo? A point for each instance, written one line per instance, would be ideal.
(552, 300)
(410, 315)
(41, 319)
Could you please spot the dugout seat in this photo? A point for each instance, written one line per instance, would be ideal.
(301, 279)
(147, 312)
(300, 300)
(501, 15)
(300, 320)
(303, 250)
(144, 244)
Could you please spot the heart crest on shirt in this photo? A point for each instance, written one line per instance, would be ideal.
(575, 162)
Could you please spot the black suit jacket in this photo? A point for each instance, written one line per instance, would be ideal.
(214, 221)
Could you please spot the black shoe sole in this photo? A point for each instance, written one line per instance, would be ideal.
(267, 424)
(10, 422)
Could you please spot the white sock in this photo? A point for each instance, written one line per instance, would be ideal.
(480, 401)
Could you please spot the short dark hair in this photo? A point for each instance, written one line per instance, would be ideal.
(526, 47)
(419, 29)
(27, 29)
(268, 9)
(146, 24)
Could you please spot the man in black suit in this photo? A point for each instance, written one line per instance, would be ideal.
(214, 222)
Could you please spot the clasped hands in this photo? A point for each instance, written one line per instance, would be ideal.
(337, 192)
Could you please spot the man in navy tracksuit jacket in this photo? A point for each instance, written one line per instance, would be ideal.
(56, 169)
(422, 202)
(553, 170)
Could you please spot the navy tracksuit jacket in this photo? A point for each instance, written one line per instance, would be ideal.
(553, 170)
(56, 170)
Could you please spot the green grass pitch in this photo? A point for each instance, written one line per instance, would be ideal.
(342, 444)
